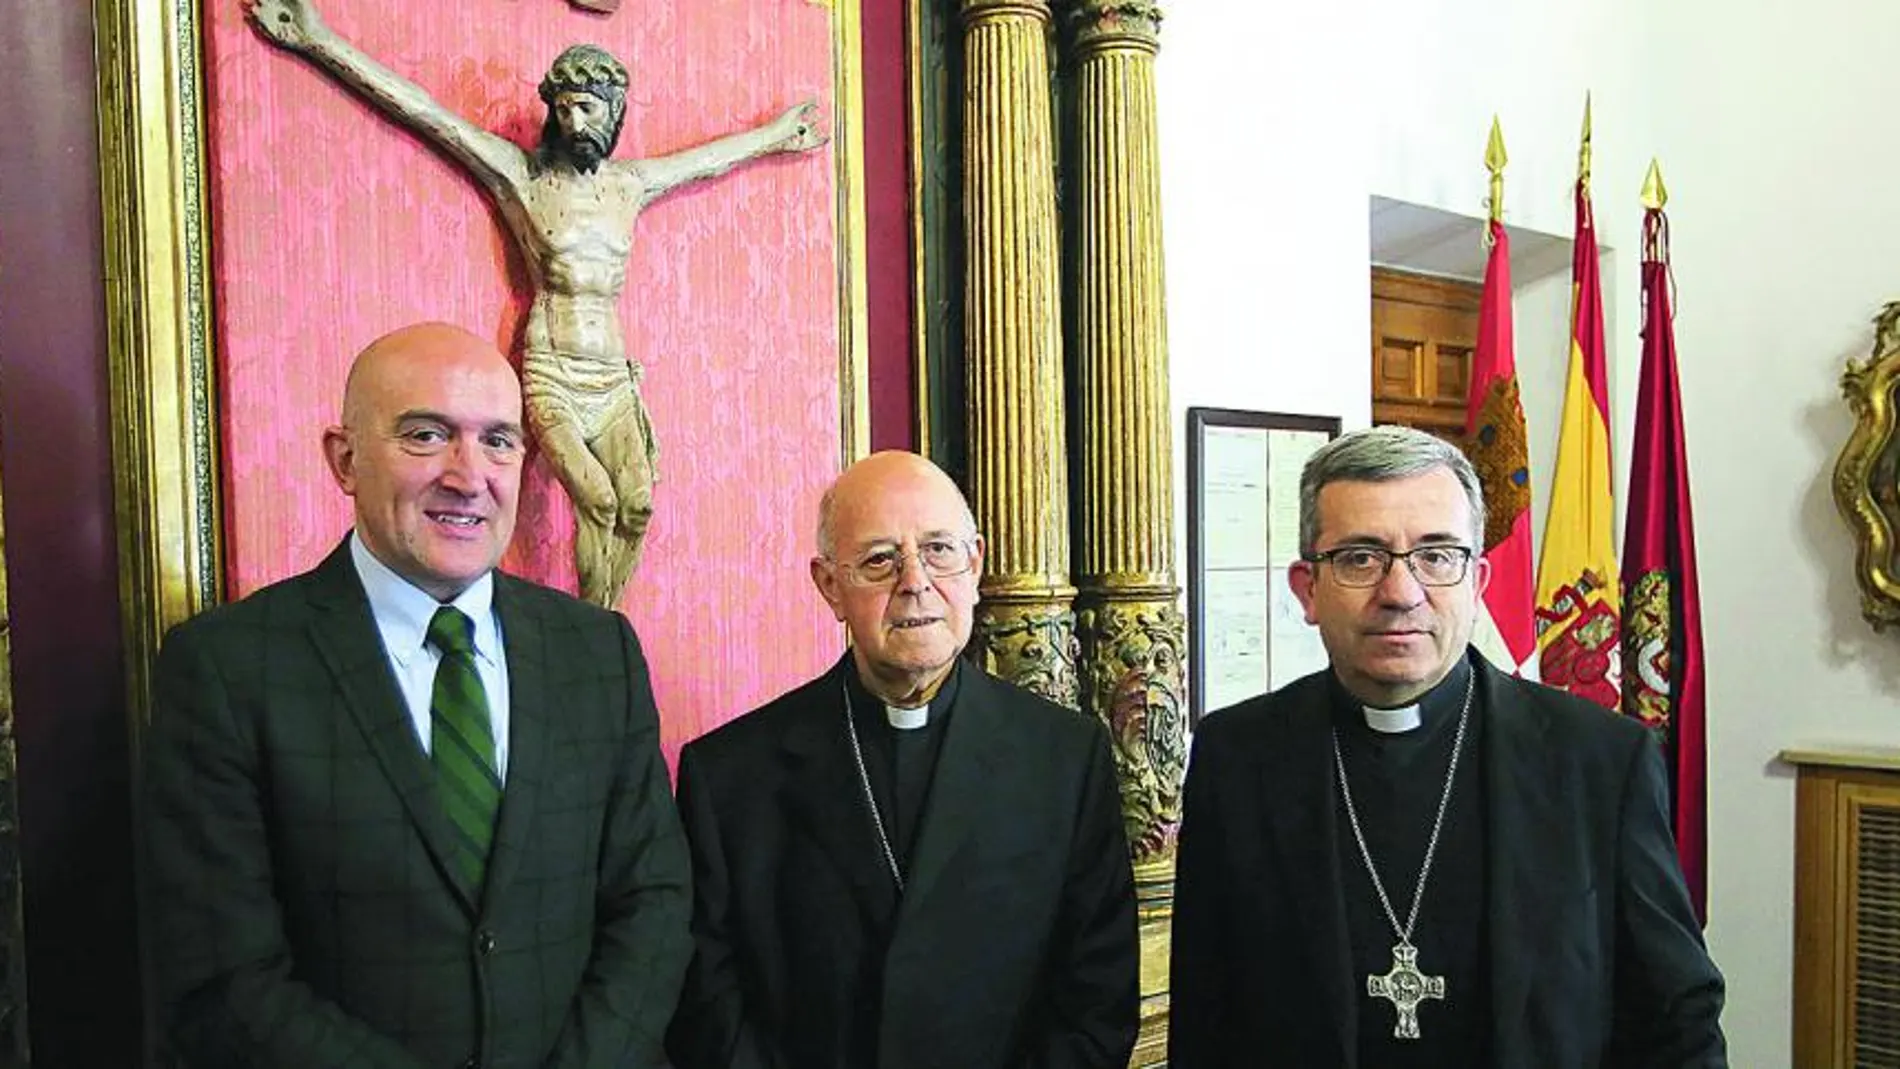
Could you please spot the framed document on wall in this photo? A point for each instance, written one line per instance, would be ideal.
(1246, 633)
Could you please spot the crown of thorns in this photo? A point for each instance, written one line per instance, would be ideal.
(581, 68)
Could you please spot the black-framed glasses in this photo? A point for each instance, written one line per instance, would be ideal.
(1364, 566)
(941, 558)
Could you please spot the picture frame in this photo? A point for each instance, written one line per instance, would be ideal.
(1246, 635)
(167, 314)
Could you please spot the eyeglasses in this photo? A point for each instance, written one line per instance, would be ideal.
(941, 558)
(1364, 566)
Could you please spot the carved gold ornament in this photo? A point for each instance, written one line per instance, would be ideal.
(1867, 476)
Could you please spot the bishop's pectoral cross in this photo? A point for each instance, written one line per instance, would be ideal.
(1405, 987)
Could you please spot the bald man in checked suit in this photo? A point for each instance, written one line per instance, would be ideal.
(350, 861)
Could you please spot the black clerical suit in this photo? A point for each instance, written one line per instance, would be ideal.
(1013, 943)
(1584, 952)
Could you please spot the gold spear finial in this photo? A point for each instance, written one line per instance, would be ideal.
(1494, 161)
(1583, 149)
(1655, 194)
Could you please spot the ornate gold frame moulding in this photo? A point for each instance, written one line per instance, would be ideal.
(1867, 475)
(159, 307)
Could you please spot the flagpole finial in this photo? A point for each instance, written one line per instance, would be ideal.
(1494, 161)
(1583, 149)
(1655, 194)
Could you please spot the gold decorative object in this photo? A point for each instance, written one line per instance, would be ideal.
(166, 455)
(13, 990)
(158, 325)
(1029, 641)
(1655, 194)
(1494, 160)
(1131, 631)
(1012, 334)
(1583, 149)
(1867, 475)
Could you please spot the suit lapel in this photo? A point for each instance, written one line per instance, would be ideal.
(1299, 786)
(958, 811)
(826, 796)
(1524, 789)
(344, 633)
(525, 640)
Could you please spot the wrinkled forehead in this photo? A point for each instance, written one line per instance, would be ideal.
(476, 392)
(898, 516)
(1429, 506)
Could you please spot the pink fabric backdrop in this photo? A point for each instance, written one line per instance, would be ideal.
(331, 226)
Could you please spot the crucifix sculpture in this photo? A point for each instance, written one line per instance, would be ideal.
(571, 210)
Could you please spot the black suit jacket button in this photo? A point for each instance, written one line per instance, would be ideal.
(484, 945)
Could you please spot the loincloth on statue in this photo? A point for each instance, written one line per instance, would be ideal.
(589, 393)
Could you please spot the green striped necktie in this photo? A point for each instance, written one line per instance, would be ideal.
(462, 744)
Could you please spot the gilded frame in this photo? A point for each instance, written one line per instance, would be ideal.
(1867, 475)
(13, 979)
(159, 303)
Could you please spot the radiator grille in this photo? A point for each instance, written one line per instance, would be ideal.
(1875, 948)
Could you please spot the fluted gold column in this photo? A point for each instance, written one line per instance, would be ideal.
(1130, 629)
(1013, 343)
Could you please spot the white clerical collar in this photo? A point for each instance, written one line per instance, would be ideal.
(1392, 721)
(907, 719)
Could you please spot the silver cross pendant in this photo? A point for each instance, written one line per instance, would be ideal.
(1405, 987)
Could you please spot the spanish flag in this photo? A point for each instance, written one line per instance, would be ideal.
(1662, 642)
(1579, 625)
(1496, 443)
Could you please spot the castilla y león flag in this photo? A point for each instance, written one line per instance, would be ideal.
(1495, 442)
(1662, 635)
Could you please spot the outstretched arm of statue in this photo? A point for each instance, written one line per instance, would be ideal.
(295, 25)
(795, 131)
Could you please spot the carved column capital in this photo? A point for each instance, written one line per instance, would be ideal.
(1100, 25)
(975, 11)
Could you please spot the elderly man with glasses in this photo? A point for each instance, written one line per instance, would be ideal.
(1412, 859)
(906, 862)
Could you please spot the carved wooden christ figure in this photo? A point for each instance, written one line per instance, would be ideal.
(572, 211)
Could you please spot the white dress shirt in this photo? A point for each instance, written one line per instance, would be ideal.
(403, 612)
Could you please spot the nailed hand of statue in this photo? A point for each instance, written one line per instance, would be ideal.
(291, 23)
(799, 128)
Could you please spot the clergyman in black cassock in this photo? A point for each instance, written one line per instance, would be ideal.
(1411, 834)
(906, 862)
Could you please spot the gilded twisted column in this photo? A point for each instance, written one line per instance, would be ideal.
(1012, 338)
(1130, 629)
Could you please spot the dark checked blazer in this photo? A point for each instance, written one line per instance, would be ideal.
(301, 902)
(1596, 961)
(1013, 946)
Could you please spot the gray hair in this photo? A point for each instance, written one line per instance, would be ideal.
(1383, 454)
(827, 505)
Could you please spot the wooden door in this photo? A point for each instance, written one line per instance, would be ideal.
(1423, 332)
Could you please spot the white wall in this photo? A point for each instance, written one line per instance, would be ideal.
(1264, 220)
(1278, 123)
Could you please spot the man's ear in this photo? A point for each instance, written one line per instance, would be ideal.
(339, 454)
(1300, 578)
(977, 547)
(824, 576)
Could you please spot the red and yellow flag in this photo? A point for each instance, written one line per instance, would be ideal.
(1662, 637)
(1579, 632)
(1496, 443)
